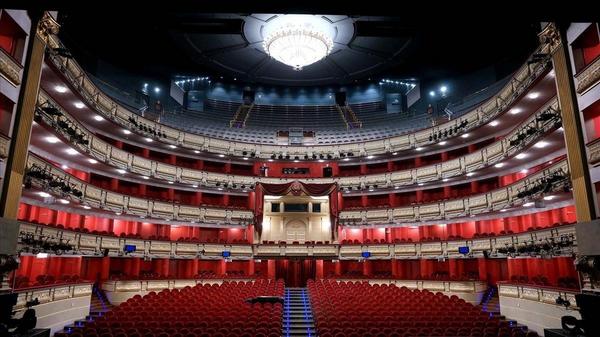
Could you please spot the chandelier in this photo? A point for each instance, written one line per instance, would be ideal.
(297, 43)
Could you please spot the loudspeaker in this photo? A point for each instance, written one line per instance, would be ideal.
(327, 172)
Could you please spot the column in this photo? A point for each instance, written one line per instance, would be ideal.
(42, 25)
(583, 190)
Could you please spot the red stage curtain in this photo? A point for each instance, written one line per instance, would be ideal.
(296, 188)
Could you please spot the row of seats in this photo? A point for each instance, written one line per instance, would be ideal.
(200, 311)
(360, 309)
(561, 282)
(22, 281)
(435, 276)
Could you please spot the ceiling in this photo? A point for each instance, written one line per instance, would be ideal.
(173, 42)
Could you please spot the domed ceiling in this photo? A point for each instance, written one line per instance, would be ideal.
(361, 47)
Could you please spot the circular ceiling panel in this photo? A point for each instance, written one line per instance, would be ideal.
(354, 54)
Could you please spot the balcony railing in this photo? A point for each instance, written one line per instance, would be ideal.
(496, 200)
(115, 202)
(522, 79)
(89, 244)
(9, 68)
(496, 152)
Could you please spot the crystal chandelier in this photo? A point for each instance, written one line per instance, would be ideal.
(297, 43)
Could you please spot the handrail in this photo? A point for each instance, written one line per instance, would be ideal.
(491, 154)
(52, 293)
(522, 79)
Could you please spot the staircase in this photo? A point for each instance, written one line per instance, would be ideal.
(297, 313)
(99, 305)
(349, 117)
(241, 116)
(490, 302)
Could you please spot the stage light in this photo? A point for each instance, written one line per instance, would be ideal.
(156, 90)
(443, 89)
(432, 93)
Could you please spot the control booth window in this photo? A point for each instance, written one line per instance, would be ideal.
(296, 207)
(275, 207)
(316, 208)
(295, 170)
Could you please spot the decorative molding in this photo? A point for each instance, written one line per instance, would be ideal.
(47, 27)
(9, 69)
(550, 37)
(589, 76)
(4, 145)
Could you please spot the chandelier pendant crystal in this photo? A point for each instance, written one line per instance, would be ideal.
(297, 44)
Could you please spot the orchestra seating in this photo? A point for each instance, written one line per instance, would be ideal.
(202, 311)
(361, 310)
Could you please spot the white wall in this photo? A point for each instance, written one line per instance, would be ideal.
(535, 307)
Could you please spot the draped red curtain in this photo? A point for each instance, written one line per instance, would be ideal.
(296, 188)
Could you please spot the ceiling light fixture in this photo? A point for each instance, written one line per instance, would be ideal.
(515, 111)
(44, 195)
(79, 105)
(499, 165)
(494, 123)
(534, 95)
(71, 152)
(149, 140)
(297, 40)
(127, 132)
(93, 161)
(521, 156)
(466, 135)
(98, 118)
(63, 201)
(443, 143)
(121, 171)
(52, 140)
(60, 89)
(541, 144)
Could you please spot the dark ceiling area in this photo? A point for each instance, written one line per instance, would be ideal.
(150, 42)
